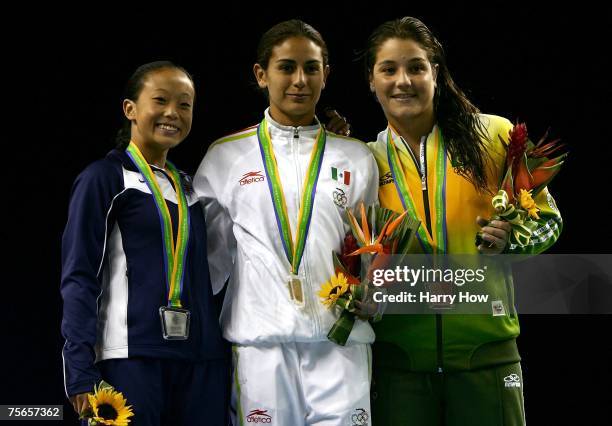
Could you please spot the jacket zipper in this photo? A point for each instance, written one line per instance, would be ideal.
(439, 318)
(440, 343)
(509, 291)
(421, 165)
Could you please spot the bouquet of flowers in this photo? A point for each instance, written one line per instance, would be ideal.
(367, 247)
(528, 170)
(107, 407)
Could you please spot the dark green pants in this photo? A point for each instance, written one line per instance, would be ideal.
(488, 397)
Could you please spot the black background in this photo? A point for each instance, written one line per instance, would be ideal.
(546, 66)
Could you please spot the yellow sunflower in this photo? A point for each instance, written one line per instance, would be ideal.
(528, 204)
(109, 408)
(334, 288)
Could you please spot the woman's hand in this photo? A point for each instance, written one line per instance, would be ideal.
(366, 310)
(80, 402)
(337, 123)
(494, 234)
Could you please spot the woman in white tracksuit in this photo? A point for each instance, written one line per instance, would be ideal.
(283, 184)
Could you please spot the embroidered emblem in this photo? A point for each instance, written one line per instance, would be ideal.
(340, 198)
(251, 177)
(343, 176)
(385, 179)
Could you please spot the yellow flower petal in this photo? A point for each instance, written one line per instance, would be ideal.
(334, 288)
(526, 202)
(534, 213)
(325, 290)
(109, 407)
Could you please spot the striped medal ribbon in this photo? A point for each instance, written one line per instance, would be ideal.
(293, 249)
(175, 319)
(437, 243)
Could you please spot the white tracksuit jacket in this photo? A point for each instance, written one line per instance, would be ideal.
(244, 242)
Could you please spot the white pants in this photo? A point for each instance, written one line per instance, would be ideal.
(295, 384)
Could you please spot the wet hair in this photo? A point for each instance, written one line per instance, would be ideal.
(132, 91)
(281, 32)
(456, 116)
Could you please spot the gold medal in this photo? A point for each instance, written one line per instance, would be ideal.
(295, 290)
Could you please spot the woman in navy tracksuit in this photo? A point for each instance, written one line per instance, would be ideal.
(115, 264)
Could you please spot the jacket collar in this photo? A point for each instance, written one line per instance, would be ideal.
(382, 139)
(126, 161)
(280, 129)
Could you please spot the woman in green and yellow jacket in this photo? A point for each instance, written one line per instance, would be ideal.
(441, 159)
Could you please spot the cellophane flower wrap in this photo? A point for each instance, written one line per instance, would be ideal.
(376, 235)
(528, 169)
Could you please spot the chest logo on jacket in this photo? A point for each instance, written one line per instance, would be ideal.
(259, 416)
(251, 177)
(385, 179)
(360, 417)
(340, 198)
(342, 176)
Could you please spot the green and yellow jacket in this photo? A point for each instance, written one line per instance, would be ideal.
(447, 205)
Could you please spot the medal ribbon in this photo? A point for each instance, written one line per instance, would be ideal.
(439, 242)
(174, 254)
(293, 251)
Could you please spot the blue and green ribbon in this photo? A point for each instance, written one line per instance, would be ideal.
(175, 254)
(293, 250)
(436, 243)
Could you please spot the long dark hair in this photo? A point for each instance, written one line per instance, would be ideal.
(132, 91)
(456, 116)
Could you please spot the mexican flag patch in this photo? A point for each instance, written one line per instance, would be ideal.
(343, 176)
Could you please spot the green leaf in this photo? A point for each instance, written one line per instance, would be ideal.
(105, 385)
